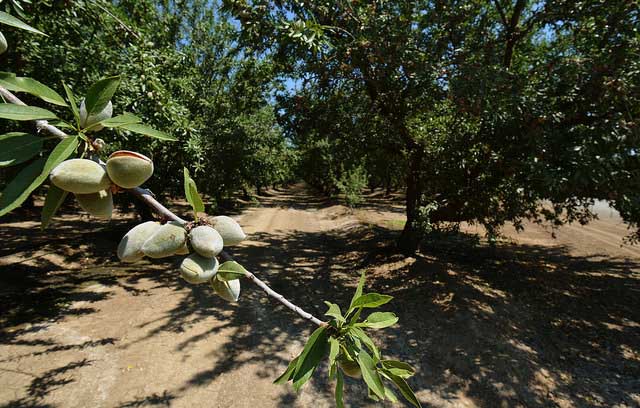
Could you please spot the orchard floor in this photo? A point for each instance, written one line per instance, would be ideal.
(535, 322)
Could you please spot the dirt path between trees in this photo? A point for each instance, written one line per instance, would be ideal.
(536, 322)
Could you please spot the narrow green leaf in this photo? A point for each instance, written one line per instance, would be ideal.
(53, 201)
(371, 300)
(363, 337)
(313, 352)
(372, 394)
(399, 368)
(231, 270)
(191, 194)
(358, 290)
(73, 103)
(198, 204)
(18, 147)
(147, 131)
(33, 175)
(339, 390)
(121, 120)
(405, 390)
(379, 320)
(288, 373)
(31, 86)
(100, 93)
(334, 311)
(390, 395)
(20, 112)
(370, 373)
(334, 350)
(21, 186)
(10, 20)
(187, 187)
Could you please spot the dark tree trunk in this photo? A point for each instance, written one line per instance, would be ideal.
(411, 236)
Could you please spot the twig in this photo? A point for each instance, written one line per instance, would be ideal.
(147, 197)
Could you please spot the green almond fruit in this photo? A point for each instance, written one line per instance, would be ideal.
(206, 241)
(198, 269)
(130, 247)
(350, 368)
(3, 44)
(227, 290)
(129, 169)
(99, 204)
(88, 120)
(168, 239)
(229, 229)
(80, 176)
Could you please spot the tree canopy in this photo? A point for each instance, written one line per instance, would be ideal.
(481, 111)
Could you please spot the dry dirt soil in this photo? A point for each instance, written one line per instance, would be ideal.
(533, 322)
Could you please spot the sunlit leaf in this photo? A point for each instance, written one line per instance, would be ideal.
(10, 20)
(334, 311)
(313, 352)
(404, 389)
(371, 300)
(100, 93)
(339, 390)
(334, 350)
(363, 337)
(231, 270)
(379, 320)
(399, 368)
(31, 86)
(20, 112)
(121, 120)
(288, 374)
(370, 373)
(147, 131)
(359, 289)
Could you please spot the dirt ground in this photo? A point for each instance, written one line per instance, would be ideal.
(535, 322)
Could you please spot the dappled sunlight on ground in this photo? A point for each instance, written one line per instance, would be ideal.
(522, 324)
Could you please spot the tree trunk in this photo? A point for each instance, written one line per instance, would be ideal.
(411, 236)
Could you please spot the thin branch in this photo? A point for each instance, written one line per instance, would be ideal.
(503, 17)
(164, 212)
(147, 197)
(41, 125)
(122, 24)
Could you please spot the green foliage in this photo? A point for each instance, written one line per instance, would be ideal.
(483, 108)
(30, 177)
(343, 339)
(351, 184)
(231, 270)
(192, 195)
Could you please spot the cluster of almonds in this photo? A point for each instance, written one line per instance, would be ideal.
(91, 182)
(155, 240)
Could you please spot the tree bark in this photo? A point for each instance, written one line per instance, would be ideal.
(411, 236)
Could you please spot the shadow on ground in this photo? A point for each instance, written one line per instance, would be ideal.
(509, 326)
